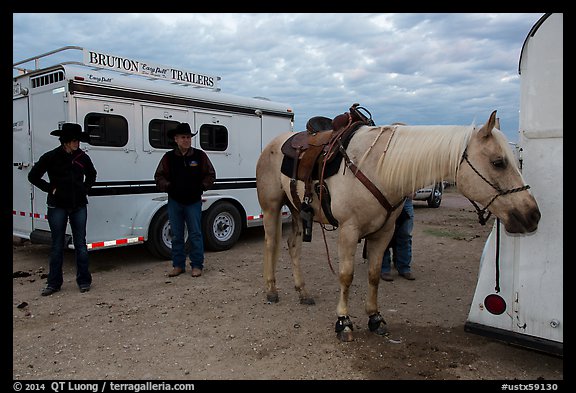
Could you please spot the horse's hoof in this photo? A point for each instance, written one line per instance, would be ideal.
(377, 324)
(272, 297)
(345, 335)
(344, 328)
(307, 301)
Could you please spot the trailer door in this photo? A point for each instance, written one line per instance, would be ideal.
(22, 162)
(111, 148)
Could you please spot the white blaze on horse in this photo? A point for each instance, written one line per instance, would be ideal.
(397, 160)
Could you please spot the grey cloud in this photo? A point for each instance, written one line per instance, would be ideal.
(417, 68)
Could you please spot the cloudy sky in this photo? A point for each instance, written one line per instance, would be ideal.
(440, 68)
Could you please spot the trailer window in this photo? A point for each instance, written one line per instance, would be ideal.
(213, 137)
(106, 130)
(157, 133)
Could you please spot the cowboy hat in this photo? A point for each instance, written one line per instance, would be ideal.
(181, 129)
(70, 131)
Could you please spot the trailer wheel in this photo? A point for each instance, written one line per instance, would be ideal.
(221, 226)
(159, 241)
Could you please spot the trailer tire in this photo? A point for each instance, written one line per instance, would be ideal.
(221, 226)
(159, 241)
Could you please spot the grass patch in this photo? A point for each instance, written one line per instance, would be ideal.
(445, 233)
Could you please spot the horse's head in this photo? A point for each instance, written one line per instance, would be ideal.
(488, 174)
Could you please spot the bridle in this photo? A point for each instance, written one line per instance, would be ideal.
(482, 217)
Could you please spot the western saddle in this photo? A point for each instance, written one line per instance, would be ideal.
(312, 150)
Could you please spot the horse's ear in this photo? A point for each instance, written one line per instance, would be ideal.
(486, 130)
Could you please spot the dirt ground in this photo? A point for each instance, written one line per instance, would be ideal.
(138, 324)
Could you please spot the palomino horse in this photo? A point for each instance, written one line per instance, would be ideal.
(398, 159)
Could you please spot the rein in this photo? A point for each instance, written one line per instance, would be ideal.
(482, 217)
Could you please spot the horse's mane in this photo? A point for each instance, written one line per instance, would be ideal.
(421, 155)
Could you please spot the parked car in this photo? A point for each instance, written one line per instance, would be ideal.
(431, 194)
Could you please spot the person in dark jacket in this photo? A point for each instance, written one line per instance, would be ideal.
(185, 173)
(71, 174)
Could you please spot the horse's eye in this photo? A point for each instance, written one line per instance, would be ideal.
(499, 163)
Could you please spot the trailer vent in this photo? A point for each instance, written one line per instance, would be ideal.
(47, 79)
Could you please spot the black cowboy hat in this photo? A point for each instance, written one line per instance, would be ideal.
(181, 129)
(70, 131)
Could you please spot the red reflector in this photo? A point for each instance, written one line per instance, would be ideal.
(495, 304)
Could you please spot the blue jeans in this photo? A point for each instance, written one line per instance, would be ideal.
(57, 219)
(189, 216)
(401, 242)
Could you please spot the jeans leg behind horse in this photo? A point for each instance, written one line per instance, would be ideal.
(403, 240)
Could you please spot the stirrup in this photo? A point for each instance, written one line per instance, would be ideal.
(307, 215)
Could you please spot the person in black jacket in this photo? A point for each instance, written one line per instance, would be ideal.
(185, 173)
(71, 174)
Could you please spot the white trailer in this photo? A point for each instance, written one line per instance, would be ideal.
(519, 294)
(127, 106)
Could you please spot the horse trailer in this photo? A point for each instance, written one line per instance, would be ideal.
(519, 293)
(127, 106)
